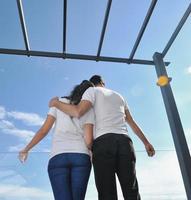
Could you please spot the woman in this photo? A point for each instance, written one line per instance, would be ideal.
(69, 166)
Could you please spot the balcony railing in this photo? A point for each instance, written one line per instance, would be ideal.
(159, 177)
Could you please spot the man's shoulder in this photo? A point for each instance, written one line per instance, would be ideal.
(114, 92)
(98, 90)
(90, 90)
(89, 93)
(117, 94)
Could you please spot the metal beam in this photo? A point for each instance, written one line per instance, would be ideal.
(64, 25)
(104, 27)
(76, 56)
(177, 30)
(175, 125)
(141, 32)
(23, 25)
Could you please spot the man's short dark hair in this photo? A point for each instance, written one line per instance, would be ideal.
(96, 79)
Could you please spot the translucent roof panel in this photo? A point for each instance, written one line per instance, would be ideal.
(44, 22)
(84, 25)
(163, 22)
(10, 28)
(124, 23)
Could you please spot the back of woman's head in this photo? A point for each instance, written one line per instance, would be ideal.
(76, 94)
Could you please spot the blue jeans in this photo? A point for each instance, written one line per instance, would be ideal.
(69, 174)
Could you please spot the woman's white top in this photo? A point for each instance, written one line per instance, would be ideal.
(68, 134)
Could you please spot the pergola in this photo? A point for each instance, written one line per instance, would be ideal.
(177, 131)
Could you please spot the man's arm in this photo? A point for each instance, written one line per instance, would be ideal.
(136, 129)
(69, 109)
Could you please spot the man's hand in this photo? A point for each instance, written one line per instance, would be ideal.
(150, 149)
(53, 102)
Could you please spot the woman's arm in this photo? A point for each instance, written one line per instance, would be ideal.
(136, 129)
(88, 135)
(42, 132)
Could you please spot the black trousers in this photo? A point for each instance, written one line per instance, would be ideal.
(114, 154)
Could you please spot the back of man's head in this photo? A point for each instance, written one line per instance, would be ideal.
(96, 80)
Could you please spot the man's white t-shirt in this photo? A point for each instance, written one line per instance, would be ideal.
(68, 134)
(109, 108)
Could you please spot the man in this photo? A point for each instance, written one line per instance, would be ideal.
(113, 151)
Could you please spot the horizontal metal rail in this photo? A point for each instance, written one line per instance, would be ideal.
(77, 56)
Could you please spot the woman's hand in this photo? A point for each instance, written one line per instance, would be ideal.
(23, 154)
(150, 149)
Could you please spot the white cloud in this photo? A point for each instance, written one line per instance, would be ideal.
(188, 70)
(13, 186)
(188, 137)
(2, 112)
(31, 119)
(12, 177)
(45, 150)
(183, 99)
(4, 124)
(66, 78)
(137, 90)
(21, 136)
(160, 178)
(22, 193)
(25, 135)
(16, 148)
(8, 127)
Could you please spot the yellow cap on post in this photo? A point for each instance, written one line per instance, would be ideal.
(163, 81)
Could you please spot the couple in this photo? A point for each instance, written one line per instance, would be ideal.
(91, 118)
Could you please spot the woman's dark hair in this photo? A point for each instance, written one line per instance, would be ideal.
(76, 94)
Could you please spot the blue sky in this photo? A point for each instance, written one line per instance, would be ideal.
(27, 84)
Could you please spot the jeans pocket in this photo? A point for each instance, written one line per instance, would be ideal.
(55, 161)
(82, 160)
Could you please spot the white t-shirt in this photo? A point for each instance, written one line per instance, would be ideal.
(109, 107)
(68, 134)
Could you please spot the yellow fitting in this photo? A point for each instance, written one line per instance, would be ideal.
(163, 81)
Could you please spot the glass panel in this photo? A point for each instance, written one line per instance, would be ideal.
(159, 177)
